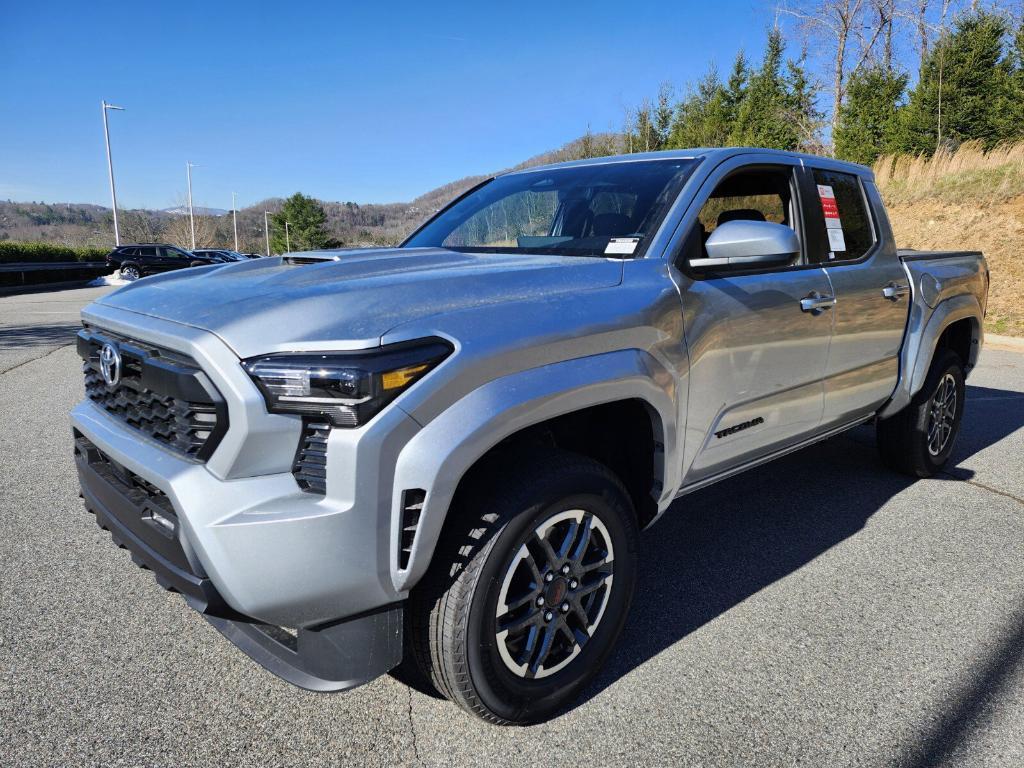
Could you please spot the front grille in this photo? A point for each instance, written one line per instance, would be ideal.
(161, 393)
(310, 467)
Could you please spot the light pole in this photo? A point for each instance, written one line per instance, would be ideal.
(234, 217)
(266, 229)
(287, 238)
(110, 167)
(191, 219)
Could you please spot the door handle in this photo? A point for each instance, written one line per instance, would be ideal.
(817, 303)
(894, 291)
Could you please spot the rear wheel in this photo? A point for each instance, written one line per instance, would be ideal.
(529, 590)
(919, 439)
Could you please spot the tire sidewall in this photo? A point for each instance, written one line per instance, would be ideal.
(947, 363)
(505, 694)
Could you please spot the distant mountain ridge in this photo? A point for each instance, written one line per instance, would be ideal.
(198, 210)
(349, 223)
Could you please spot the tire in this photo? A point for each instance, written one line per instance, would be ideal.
(130, 272)
(455, 627)
(919, 439)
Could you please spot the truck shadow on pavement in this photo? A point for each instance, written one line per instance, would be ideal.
(16, 336)
(716, 547)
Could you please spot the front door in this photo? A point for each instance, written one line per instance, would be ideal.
(172, 258)
(757, 353)
(872, 293)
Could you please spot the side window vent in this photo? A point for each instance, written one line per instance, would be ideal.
(310, 467)
(412, 507)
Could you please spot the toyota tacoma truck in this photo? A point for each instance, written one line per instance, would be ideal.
(442, 454)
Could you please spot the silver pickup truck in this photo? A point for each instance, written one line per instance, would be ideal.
(442, 454)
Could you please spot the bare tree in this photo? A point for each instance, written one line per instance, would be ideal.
(178, 231)
(886, 11)
(837, 23)
(920, 14)
(922, 30)
(138, 227)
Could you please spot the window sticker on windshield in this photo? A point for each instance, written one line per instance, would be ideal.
(622, 245)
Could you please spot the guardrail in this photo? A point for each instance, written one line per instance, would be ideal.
(35, 274)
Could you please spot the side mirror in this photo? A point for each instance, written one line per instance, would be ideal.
(742, 244)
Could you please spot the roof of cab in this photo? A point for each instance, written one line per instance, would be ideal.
(712, 154)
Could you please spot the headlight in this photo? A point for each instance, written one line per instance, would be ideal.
(349, 388)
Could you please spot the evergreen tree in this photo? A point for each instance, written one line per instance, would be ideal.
(652, 123)
(967, 73)
(306, 222)
(1013, 112)
(801, 107)
(762, 119)
(736, 87)
(663, 114)
(642, 138)
(703, 118)
(869, 120)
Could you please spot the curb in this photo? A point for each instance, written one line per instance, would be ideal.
(1013, 343)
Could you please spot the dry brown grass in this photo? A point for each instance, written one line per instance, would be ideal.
(966, 174)
(965, 199)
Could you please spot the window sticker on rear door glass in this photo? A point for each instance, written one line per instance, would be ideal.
(833, 224)
(846, 217)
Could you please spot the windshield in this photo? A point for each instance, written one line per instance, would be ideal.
(589, 210)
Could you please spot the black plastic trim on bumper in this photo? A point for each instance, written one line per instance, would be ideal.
(335, 656)
(110, 499)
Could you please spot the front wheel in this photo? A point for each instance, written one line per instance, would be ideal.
(529, 589)
(919, 439)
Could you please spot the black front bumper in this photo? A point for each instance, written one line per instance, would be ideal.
(141, 519)
(330, 657)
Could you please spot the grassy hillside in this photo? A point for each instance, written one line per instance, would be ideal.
(965, 199)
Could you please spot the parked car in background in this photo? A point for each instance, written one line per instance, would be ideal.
(253, 255)
(224, 254)
(140, 259)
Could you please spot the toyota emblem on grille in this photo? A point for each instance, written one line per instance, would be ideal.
(110, 364)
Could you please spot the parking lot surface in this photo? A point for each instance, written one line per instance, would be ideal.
(818, 611)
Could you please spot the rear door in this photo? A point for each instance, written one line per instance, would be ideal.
(852, 241)
(149, 258)
(757, 358)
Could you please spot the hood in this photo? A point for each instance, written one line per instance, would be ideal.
(351, 297)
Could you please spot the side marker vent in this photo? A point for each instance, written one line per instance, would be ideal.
(310, 467)
(412, 507)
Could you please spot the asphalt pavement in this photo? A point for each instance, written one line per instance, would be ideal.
(818, 611)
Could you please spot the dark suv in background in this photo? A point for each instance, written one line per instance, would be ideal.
(141, 259)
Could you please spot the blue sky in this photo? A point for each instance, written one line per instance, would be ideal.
(366, 102)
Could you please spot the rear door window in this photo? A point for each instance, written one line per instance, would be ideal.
(842, 209)
(147, 252)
